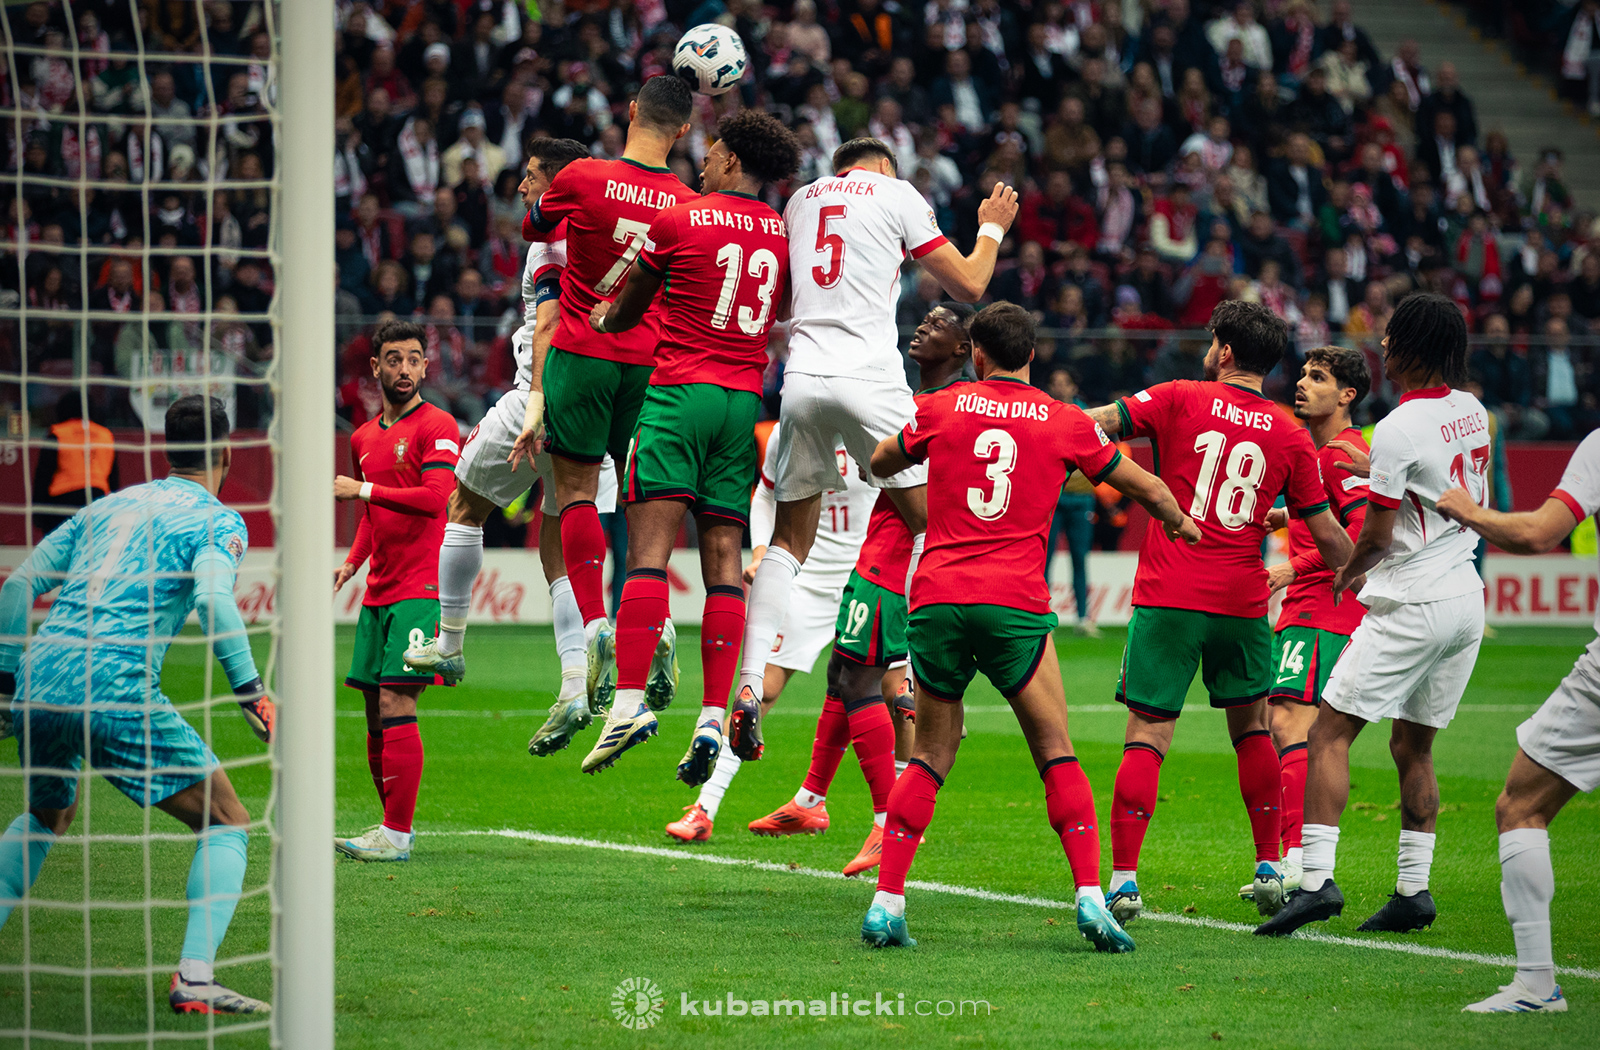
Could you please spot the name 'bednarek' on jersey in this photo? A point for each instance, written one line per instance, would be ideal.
(848, 235)
(608, 205)
(541, 282)
(998, 452)
(1435, 439)
(1225, 451)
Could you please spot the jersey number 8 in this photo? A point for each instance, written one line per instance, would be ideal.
(1236, 496)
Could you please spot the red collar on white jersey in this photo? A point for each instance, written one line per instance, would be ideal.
(1430, 391)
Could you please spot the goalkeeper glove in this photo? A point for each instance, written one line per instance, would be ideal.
(258, 708)
(8, 689)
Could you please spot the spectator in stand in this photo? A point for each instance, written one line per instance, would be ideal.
(1240, 24)
(1294, 186)
(1560, 380)
(1580, 61)
(1504, 374)
(1340, 293)
(1260, 243)
(1070, 144)
(1148, 279)
(1322, 116)
(1407, 71)
(974, 100)
(1056, 217)
(1542, 187)
(1341, 27)
(1028, 283)
(388, 292)
(1044, 73)
(1172, 226)
(1080, 274)
(1120, 213)
(474, 142)
(1151, 143)
(1204, 284)
(1437, 152)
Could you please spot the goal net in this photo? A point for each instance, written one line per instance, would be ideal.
(142, 261)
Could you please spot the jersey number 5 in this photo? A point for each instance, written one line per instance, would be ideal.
(631, 234)
(1003, 447)
(1236, 496)
(832, 243)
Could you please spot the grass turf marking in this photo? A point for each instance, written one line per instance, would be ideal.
(971, 709)
(990, 895)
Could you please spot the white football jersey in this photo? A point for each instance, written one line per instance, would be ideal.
(545, 260)
(841, 527)
(1580, 488)
(1434, 440)
(848, 235)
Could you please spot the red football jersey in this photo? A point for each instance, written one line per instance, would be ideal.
(886, 551)
(1226, 452)
(726, 260)
(608, 205)
(998, 453)
(404, 561)
(1308, 601)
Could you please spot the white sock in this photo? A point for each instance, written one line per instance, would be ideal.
(1119, 878)
(911, 566)
(569, 627)
(880, 819)
(765, 609)
(398, 839)
(893, 903)
(627, 702)
(1321, 846)
(1295, 858)
(808, 799)
(1416, 860)
(715, 714)
(1527, 882)
(716, 786)
(899, 767)
(1093, 893)
(195, 971)
(460, 558)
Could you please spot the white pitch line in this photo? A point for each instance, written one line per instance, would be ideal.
(1428, 951)
(971, 709)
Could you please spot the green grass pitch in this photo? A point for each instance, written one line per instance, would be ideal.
(488, 941)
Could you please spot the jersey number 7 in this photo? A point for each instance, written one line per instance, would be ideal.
(631, 234)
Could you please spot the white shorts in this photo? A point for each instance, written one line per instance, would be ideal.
(483, 467)
(808, 627)
(1409, 660)
(1563, 736)
(819, 413)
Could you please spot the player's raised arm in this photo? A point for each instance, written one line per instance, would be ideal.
(214, 573)
(966, 277)
(1151, 493)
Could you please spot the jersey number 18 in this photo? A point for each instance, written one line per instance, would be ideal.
(1236, 496)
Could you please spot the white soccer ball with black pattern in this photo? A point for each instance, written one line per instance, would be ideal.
(711, 58)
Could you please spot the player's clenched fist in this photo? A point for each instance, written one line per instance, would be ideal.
(1000, 207)
(1458, 505)
(346, 488)
(1186, 530)
(597, 316)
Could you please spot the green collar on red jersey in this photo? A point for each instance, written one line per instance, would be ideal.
(1007, 379)
(385, 426)
(1248, 390)
(952, 381)
(646, 167)
(737, 193)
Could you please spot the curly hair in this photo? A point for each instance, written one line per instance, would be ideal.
(1348, 367)
(765, 148)
(1428, 332)
(1258, 337)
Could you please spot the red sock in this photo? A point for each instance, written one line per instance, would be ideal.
(1292, 775)
(721, 631)
(1133, 800)
(873, 732)
(375, 762)
(402, 758)
(827, 750)
(1070, 805)
(583, 549)
(640, 617)
(1262, 789)
(910, 812)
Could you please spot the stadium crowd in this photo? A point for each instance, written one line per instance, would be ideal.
(1171, 153)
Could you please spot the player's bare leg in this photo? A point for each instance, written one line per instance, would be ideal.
(1327, 794)
(1532, 797)
(794, 530)
(1411, 906)
(1041, 710)
(460, 559)
(394, 755)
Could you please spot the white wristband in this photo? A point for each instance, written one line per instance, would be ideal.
(366, 490)
(993, 230)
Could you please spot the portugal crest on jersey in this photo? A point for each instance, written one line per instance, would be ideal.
(400, 449)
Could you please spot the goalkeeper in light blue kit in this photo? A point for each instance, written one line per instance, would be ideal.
(130, 568)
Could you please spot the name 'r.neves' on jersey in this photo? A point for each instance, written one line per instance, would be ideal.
(642, 195)
(1240, 417)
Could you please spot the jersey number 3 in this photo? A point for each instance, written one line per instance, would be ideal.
(1003, 447)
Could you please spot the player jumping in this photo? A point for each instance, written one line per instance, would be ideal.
(594, 383)
(871, 631)
(487, 477)
(130, 569)
(848, 235)
(998, 452)
(726, 256)
(1558, 752)
(1312, 629)
(1227, 450)
(1414, 651)
(405, 459)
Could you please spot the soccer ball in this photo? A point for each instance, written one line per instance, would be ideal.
(711, 58)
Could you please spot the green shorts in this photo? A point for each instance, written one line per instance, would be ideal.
(1304, 657)
(383, 634)
(695, 442)
(872, 624)
(591, 405)
(1166, 646)
(951, 643)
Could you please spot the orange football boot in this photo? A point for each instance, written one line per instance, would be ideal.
(694, 826)
(793, 819)
(871, 853)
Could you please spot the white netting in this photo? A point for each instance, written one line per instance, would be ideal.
(138, 251)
